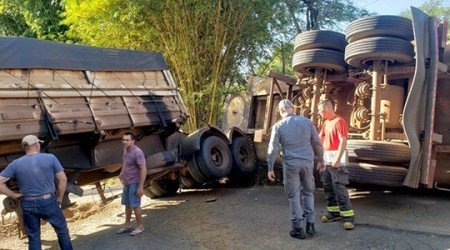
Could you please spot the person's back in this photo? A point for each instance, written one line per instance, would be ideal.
(35, 173)
(299, 141)
(295, 134)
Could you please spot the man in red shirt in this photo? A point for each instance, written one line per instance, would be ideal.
(334, 173)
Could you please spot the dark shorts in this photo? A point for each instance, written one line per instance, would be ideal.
(129, 197)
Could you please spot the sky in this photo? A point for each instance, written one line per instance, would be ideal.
(391, 7)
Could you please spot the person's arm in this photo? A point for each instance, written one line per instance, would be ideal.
(317, 148)
(143, 176)
(122, 170)
(341, 150)
(121, 174)
(6, 191)
(62, 183)
(272, 152)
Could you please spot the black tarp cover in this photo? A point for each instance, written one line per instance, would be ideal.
(29, 53)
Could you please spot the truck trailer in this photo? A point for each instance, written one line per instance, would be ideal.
(388, 77)
(80, 100)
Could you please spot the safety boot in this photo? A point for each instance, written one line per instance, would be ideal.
(348, 225)
(330, 217)
(310, 228)
(297, 233)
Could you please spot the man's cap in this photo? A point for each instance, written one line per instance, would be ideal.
(30, 140)
(285, 104)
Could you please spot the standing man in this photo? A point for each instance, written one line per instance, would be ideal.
(36, 173)
(132, 176)
(299, 141)
(334, 174)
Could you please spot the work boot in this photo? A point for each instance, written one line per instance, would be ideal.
(330, 217)
(297, 233)
(310, 228)
(348, 225)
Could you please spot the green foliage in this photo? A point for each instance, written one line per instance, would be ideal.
(203, 41)
(12, 22)
(280, 62)
(435, 8)
(32, 18)
(108, 23)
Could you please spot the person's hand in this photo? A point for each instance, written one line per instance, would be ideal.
(336, 163)
(16, 196)
(321, 167)
(271, 175)
(140, 191)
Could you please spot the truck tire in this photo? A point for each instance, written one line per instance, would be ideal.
(320, 39)
(214, 158)
(362, 53)
(162, 188)
(194, 169)
(307, 61)
(243, 156)
(380, 26)
(187, 181)
(378, 151)
(383, 175)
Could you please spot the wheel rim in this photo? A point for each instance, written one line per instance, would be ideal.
(216, 157)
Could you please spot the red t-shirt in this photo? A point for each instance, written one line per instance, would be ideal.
(331, 131)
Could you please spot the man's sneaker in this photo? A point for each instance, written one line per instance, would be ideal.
(330, 217)
(310, 228)
(348, 225)
(297, 233)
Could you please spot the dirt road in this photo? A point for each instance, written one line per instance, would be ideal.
(258, 218)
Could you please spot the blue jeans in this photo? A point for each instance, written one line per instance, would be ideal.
(49, 211)
(129, 196)
(299, 186)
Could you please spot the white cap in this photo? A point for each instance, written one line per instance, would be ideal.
(285, 104)
(30, 140)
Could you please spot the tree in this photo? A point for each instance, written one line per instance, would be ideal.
(203, 41)
(434, 8)
(32, 18)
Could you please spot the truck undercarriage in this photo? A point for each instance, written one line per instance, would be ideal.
(388, 77)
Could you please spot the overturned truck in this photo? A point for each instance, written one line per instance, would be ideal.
(388, 76)
(80, 100)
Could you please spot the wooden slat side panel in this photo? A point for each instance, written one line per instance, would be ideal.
(110, 113)
(70, 115)
(19, 117)
(144, 111)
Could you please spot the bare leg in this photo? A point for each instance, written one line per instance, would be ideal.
(138, 215)
(128, 211)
